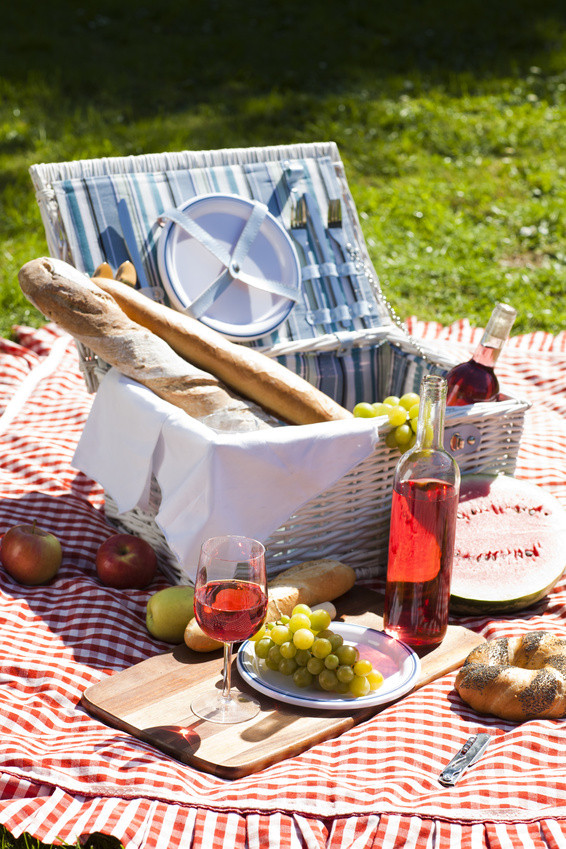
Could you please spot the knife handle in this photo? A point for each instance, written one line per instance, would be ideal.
(471, 751)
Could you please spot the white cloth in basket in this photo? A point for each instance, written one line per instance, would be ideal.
(211, 483)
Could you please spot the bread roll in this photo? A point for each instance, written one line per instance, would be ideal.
(309, 583)
(93, 317)
(245, 370)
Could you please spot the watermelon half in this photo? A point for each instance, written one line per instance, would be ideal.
(510, 548)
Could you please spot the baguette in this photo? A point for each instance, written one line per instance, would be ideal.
(245, 370)
(93, 317)
(309, 583)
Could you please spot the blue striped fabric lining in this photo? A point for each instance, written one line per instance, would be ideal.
(88, 210)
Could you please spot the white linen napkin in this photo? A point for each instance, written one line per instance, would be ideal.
(211, 483)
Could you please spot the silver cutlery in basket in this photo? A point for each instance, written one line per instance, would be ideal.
(300, 234)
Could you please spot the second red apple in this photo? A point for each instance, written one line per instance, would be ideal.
(125, 561)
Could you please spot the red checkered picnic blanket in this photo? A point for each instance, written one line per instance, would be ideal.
(64, 774)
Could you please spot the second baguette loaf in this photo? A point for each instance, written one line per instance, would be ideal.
(245, 370)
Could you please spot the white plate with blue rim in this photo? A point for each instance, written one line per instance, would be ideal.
(396, 661)
(190, 266)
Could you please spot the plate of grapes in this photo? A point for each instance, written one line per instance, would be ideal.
(341, 666)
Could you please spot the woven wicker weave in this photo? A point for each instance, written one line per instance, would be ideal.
(350, 521)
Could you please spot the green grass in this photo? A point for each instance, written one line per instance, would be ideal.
(26, 841)
(449, 117)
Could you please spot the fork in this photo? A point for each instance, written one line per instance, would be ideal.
(345, 247)
(335, 226)
(301, 236)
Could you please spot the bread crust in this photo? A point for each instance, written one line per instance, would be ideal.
(245, 370)
(311, 582)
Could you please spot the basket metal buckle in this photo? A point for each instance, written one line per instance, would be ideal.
(462, 439)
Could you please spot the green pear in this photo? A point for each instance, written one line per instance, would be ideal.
(168, 613)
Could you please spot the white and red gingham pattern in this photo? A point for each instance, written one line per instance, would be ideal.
(63, 774)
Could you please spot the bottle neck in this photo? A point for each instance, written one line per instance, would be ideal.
(430, 427)
(487, 352)
(495, 335)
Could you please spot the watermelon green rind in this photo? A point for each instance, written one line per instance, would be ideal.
(510, 545)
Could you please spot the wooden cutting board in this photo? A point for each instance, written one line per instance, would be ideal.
(151, 701)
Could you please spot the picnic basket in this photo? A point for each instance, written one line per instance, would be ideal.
(342, 336)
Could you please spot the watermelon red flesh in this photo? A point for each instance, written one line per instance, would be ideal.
(510, 544)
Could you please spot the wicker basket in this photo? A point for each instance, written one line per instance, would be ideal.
(364, 358)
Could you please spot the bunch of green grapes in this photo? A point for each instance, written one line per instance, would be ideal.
(403, 415)
(303, 646)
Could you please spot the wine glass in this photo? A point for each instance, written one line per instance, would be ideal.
(230, 605)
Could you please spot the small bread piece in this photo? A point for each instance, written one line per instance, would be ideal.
(245, 370)
(311, 582)
(93, 317)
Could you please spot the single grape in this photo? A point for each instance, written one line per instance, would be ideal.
(302, 677)
(362, 667)
(280, 634)
(302, 657)
(331, 661)
(409, 399)
(363, 410)
(342, 687)
(380, 408)
(303, 638)
(262, 647)
(299, 620)
(414, 411)
(328, 680)
(375, 679)
(345, 674)
(414, 423)
(274, 655)
(283, 620)
(347, 655)
(321, 647)
(301, 608)
(288, 649)
(391, 400)
(319, 620)
(403, 434)
(397, 416)
(315, 665)
(287, 666)
(359, 686)
(390, 440)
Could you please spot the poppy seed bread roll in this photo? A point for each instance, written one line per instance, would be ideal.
(93, 318)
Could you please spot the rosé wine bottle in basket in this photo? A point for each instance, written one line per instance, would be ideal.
(475, 380)
(422, 531)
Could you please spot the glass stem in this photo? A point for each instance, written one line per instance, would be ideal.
(227, 682)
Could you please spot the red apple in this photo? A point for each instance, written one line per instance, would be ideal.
(30, 555)
(125, 562)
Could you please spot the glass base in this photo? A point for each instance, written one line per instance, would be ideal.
(214, 707)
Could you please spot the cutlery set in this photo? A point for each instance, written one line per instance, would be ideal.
(329, 261)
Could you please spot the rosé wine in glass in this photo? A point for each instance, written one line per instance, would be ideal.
(230, 606)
